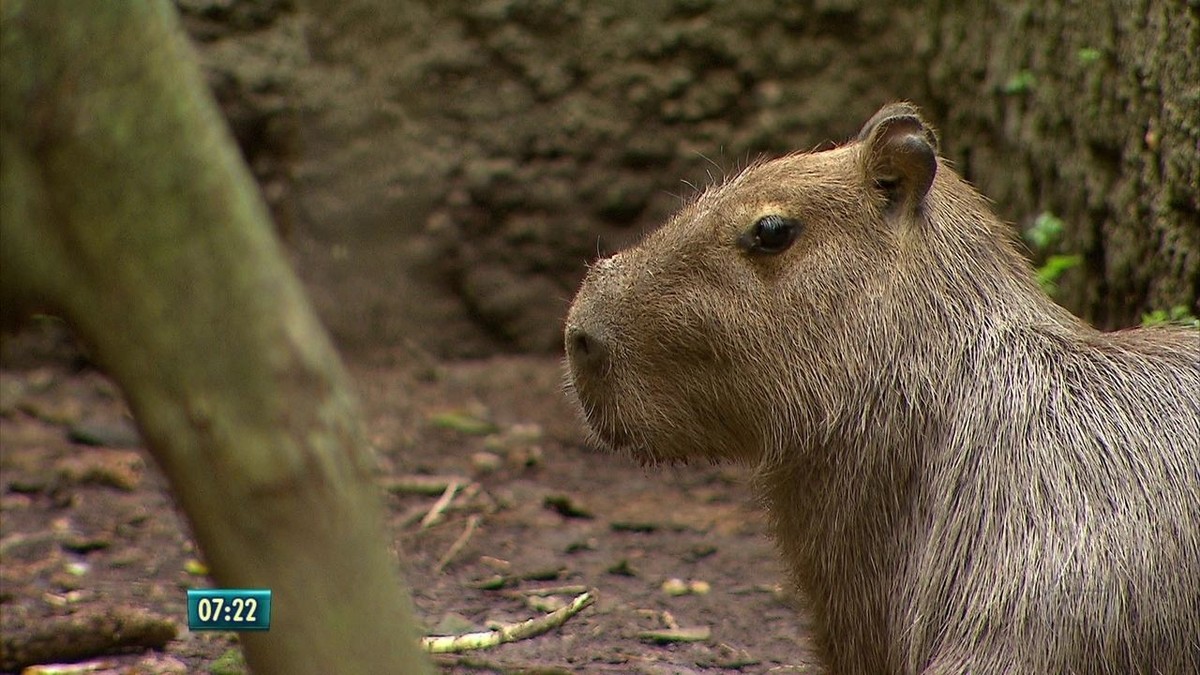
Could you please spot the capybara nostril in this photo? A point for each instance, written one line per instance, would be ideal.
(585, 351)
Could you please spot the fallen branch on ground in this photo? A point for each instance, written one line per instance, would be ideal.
(444, 644)
(85, 634)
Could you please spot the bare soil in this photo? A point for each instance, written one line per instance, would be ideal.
(87, 525)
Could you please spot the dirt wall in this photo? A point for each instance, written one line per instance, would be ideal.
(457, 164)
(509, 142)
(1090, 111)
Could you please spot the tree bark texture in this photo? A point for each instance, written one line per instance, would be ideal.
(127, 209)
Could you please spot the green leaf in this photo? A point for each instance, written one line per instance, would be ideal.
(1048, 274)
(1179, 314)
(1046, 230)
(463, 423)
(1022, 81)
(232, 662)
(1088, 55)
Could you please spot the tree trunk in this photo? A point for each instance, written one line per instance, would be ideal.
(127, 209)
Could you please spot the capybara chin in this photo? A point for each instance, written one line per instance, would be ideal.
(962, 476)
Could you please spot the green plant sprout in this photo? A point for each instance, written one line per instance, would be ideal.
(1021, 82)
(1045, 230)
(1088, 55)
(1179, 314)
(1042, 234)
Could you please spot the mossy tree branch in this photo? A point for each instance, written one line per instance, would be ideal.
(127, 209)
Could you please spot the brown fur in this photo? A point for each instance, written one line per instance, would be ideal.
(962, 476)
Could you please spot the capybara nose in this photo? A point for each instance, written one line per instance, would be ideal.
(586, 350)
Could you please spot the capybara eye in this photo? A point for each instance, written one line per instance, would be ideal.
(770, 234)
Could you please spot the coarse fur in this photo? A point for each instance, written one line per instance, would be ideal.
(962, 476)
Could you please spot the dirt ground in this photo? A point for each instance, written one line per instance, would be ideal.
(87, 526)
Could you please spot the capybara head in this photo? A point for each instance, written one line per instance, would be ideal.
(962, 476)
(774, 306)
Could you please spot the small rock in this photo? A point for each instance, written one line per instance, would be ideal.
(41, 380)
(519, 443)
(528, 432)
(497, 564)
(59, 412)
(547, 603)
(109, 434)
(120, 469)
(675, 587)
(526, 457)
(486, 462)
(77, 569)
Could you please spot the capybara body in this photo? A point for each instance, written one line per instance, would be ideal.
(962, 476)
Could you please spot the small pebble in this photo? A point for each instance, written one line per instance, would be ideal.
(486, 462)
(77, 569)
(675, 587)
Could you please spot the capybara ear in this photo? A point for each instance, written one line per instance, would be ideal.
(901, 154)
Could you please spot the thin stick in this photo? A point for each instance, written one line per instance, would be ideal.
(421, 485)
(511, 633)
(472, 523)
(546, 590)
(435, 513)
(696, 634)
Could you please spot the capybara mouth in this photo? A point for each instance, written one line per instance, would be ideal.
(610, 435)
(607, 431)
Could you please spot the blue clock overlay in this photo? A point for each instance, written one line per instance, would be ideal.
(234, 609)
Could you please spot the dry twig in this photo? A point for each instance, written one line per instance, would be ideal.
(472, 523)
(510, 633)
(435, 513)
(415, 484)
(570, 589)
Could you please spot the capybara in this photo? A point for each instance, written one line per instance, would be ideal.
(962, 476)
